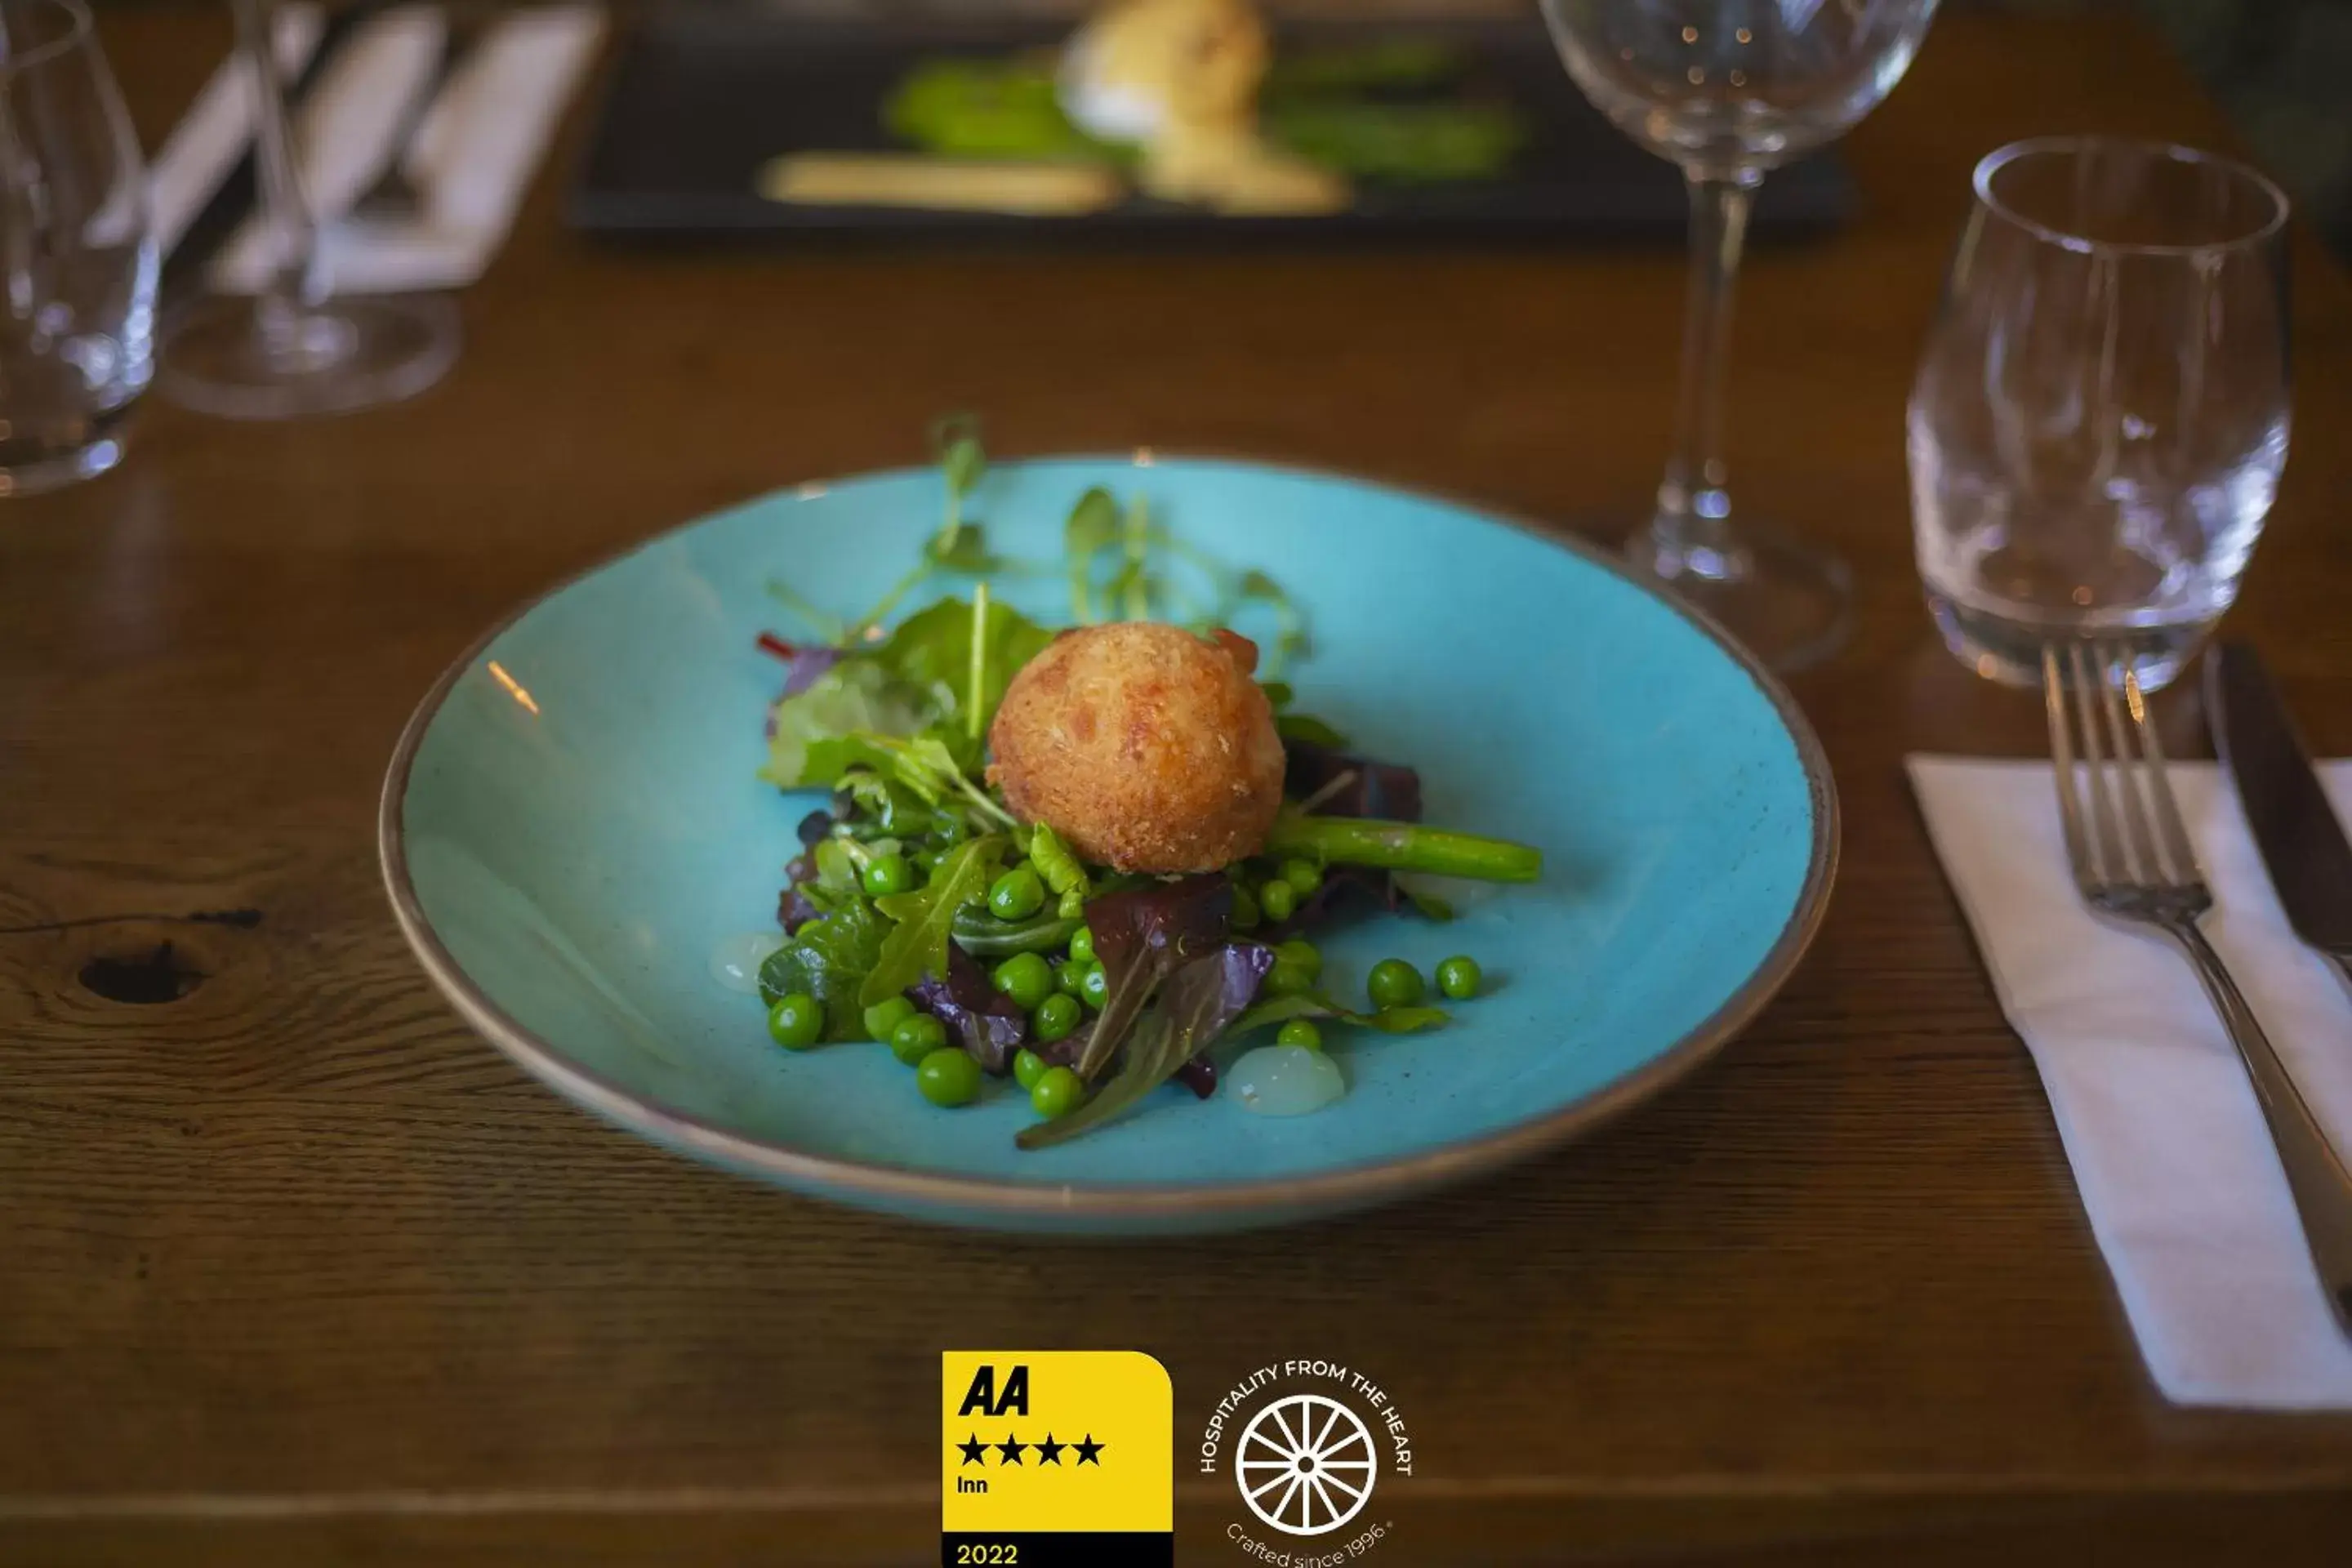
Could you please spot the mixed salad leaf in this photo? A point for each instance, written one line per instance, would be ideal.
(1200, 999)
(920, 910)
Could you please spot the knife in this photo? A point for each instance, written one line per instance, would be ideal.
(2302, 841)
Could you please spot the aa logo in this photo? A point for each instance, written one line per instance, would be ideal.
(1053, 1457)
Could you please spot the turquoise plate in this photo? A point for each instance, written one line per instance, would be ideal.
(570, 827)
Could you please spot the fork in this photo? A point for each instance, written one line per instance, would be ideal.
(2133, 862)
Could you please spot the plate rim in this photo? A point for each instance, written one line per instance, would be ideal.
(1359, 1186)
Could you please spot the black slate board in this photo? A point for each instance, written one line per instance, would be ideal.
(699, 100)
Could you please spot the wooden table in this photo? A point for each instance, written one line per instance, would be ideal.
(296, 1267)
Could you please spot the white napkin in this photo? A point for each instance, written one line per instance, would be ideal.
(218, 127)
(2176, 1171)
(472, 158)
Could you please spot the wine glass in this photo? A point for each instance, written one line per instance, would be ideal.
(77, 253)
(292, 350)
(1728, 89)
(2101, 413)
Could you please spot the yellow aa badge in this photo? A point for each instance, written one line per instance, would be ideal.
(1056, 1459)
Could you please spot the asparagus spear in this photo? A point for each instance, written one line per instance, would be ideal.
(1404, 846)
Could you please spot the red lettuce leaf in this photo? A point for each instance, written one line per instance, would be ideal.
(1142, 936)
(1382, 790)
(1385, 790)
(1199, 1075)
(988, 1025)
(1196, 1004)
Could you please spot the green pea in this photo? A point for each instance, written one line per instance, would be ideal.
(948, 1078)
(1303, 955)
(1300, 1032)
(1017, 894)
(1028, 1067)
(884, 1016)
(887, 874)
(1393, 983)
(1027, 978)
(1277, 900)
(1288, 979)
(1057, 1093)
(795, 1021)
(913, 1038)
(1056, 1017)
(1246, 910)
(1069, 976)
(1459, 976)
(1082, 944)
(1093, 986)
(1303, 877)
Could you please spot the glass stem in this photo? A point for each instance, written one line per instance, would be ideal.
(294, 285)
(1693, 526)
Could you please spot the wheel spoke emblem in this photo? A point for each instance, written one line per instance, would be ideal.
(1306, 1464)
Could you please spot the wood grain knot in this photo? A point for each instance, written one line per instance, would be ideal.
(142, 979)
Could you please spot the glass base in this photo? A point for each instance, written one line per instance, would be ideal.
(264, 359)
(1789, 603)
(31, 468)
(2008, 650)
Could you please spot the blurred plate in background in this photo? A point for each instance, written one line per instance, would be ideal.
(700, 101)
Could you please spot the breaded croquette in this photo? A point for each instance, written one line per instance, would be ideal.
(1145, 747)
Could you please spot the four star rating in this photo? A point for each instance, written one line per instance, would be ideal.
(1049, 1452)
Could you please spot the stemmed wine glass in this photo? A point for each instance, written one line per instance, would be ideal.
(293, 349)
(1728, 89)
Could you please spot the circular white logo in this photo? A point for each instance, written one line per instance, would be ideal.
(1306, 1464)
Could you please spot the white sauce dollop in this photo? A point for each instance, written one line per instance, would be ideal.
(1286, 1081)
(735, 962)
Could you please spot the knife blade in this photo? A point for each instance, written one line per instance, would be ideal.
(2302, 841)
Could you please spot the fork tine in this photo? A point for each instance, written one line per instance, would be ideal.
(2138, 828)
(2167, 827)
(2107, 863)
(2062, 757)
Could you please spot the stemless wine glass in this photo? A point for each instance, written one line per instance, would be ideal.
(292, 350)
(1728, 89)
(2101, 416)
(76, 258)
